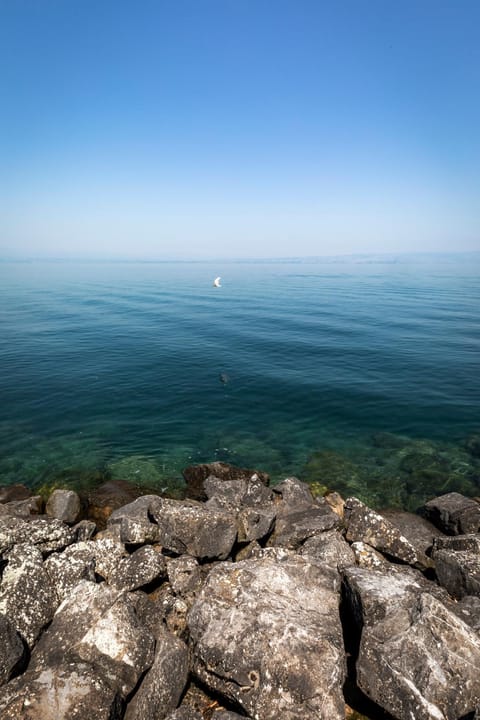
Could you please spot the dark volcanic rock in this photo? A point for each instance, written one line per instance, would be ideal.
(454, 514)
(26, 594)
(195, 475)
(164, 683)
(416, 658)
(12, 649)
(367, 526)
(266, 634)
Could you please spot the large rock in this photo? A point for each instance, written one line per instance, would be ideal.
(146, 565)
(195, 475)
(136, 520)
(69, 692)
(164, 683)
(190, 527)
(47, 535)
(23, 508)
(12, 649)
(299, 515)
(458, 572)
(64, 505)
(110, 496)
(328, 548)
(453, 513)
(416, 658)
(420, 533)
(26, 594)
(266, 634)
(98, 625)
(367, 526)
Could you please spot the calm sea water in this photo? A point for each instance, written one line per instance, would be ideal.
(117, 366)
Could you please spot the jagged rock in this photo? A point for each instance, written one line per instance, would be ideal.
(110, 496)
(189, 527)
(11, 493)
(184, 575)
(328, 548)
(454, 514)
(458, 572)
(69, 692)
(136, 520)
(63, 505)
(416, 658)
(367, 557)
(47, 535)
(367, 526)
(26, 595)
(266, 634)
(140, 568)
(255, 523)
(468, 610)
(84, 530)
(466, 543)
(299, 515)
(23, 508)
(249, 499)
(12, 649)
(164, 683)
(195, 475)
(420, 533)
(67, 569)
(98, 624)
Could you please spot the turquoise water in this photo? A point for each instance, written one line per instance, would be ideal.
(356, 373)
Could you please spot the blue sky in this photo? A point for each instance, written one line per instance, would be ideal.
(200, 128)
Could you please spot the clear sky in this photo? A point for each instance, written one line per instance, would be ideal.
(196, 128)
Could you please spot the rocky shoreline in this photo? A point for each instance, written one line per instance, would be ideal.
(240, 600)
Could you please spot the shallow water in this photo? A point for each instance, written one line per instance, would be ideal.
(119, 366)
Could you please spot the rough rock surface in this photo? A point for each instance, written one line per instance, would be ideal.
(47, 535)
(416, 658)
(367, 526)
(419, 532)
(136, 520)
(26, 594)
(453, 513)
(266, 634)
(366, 556)
(329, 548)
(189, 527)
(195, 475)
(64, 505)
(141, 568)
(9, 493)
(23, 508)
(458, 572)
(12, 650)
(164, 683)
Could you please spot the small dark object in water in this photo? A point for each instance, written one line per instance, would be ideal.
(224, 378)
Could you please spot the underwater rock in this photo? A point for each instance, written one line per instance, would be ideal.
(63, 505)
(365, 525)
(163, 685)
(195, 475)
(14, 493)
(12, 649)
(255, 642)
(472, 444)
(454, 514)
(26, 594)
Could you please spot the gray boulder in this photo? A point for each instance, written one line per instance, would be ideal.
(12, 649)
(419, 532)
(367, 526)
(47, 535)
(453, 513)
(163, 685)
(458, 572)
(416, 658)
(367, 557)
(328, 548)
(26, 594)
(64, 505)
(190, 527)
(67, 569)
(141, 568)
(69, 692)
(266, 634)
(136, 520)
(23, 508)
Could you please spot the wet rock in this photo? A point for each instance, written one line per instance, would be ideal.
(266, 634)
(69, 692)
(98, 625)
(136, 520)
(416, 658)
(328, 548)
(26, 595)
(47, 535)
(454, 514)
(367, 557)
(11, 493)
(12, 649)
(299, 515)
(195, 475)
(191, 528)
(163, 685)
(367, 526)
(458, 572)
(63, 505)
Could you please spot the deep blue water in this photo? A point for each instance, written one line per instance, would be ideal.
(102, 364)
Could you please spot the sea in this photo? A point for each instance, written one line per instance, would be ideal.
(356, 374)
